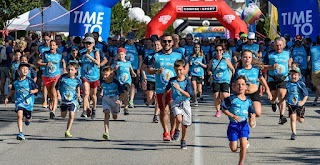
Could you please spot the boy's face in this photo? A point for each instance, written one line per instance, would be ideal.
(107, 75)
(24, 60)
(294, 76)
(179, 71)
(23, 71)
(71, 70)
(122, 56)
(241, 86)
(18, 55)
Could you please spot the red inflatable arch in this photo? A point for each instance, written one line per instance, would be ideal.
(203, 9)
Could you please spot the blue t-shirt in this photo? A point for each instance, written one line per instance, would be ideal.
(55, 59)
(283, 67)
(23, 98)
(237, 107)
(227, 55)
(206, 50)
(68, 88)
(123, 72)
(63, 49)
(196, 69)
(252, 74)
(296, 92)
(315, 58)
(188, 50)
(132, 55)
(180, 50)
(112, 89)
(299, 55)
(89, 69)
(161, 60)
(148, 54)
(221, 74)
(43, 49)
(184, 85)
(254, 48)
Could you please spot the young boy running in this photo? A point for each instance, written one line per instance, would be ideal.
(25, 89)
(68, 86)
(237, 108)
(297, 97)
(111, 90)
(181, 92)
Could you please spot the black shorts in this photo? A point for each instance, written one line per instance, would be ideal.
(274, 86)
(135, 80)
(27, 114)
(308, 72)
(254, 96)
(198, 79)
(126, 87)
(299, 110)
(151, 86)
(70, 106)
(220, 87)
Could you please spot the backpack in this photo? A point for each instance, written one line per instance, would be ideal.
(3, 54)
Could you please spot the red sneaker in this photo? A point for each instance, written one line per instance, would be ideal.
(171, 135)
(166, 136)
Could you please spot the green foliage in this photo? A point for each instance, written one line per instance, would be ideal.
(67, 4)
(14, 8)
(119, 16)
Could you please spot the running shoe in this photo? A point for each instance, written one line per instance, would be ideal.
(282, 120)
(314, 103)
(93, 116)
(171, 135)
(67, 134)
(27, 123)
(201, 97)
(195, 103)
(106, 136)
(146, 103)
(274, 107)
(126, 111)
(88, 112)
(20, 136)
(218, 114)
(52, 114)
(183, 144)
(131, 105)
(155, 119)
(44, 105)
(166, 136)
(176, 135)
(248, 144)
(84, 114)
(240, 164)
(293, 136)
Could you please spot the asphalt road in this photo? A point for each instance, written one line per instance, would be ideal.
(134, 139)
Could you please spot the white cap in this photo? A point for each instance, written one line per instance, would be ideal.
(251, 36)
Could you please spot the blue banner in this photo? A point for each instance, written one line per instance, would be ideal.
(298, 17)
(93, 16)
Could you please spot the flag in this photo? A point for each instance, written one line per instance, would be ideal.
(273, 23)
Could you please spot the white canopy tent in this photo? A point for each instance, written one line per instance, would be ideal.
(54, 11)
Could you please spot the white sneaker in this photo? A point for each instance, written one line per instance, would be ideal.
(248, 144)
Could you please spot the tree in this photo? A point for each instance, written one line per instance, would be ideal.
(10, 9)
(155, 8)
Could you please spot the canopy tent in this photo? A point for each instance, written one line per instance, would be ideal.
(34, 24)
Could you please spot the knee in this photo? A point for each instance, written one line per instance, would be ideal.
(233, 149)
(300, 120)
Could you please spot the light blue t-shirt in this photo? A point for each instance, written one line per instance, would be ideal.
(43, 49)
(63, 49)
(123, 72)
(184, 85)
(23, 98)
(132, 56)
(254, 48)
(296, 92)
(299, 55)
(55, 59)
(196, 69)
(161, 60)
(206, 50)
(112, 89)
(237, 107)
(252, 74)
(315, 58)
(68, 88)
(149, 54)
(221, 74)
(89, 69)
(227, 55)
(283, 67)
(180, 50)
(189, 50)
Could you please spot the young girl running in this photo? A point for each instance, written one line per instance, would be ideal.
(197, 64)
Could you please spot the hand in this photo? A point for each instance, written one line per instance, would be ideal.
(118, 102)
(176, 86)
(88, 55)
(49, 64)
(209, 73)
(161, 70)
(6, 101)
(275, 66)
(145, 79)
(101, 94)
(236, 118)
(300, 103)
(134, 75)
(269, 95)
(198, 62)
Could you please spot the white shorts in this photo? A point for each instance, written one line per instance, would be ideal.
(109, 103)
(182, 108)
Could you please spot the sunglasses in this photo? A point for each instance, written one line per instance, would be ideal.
(167, 41)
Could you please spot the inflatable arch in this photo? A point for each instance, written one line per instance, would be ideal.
(203, 9)
(187, 23)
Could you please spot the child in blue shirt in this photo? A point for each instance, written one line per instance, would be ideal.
(68, 86)
(181, 93)
(238, 107)
(297, 97)
(25, 88)
(111, 93)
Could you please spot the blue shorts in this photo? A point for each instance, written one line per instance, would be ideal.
(238, 130)
(70, 106)
(27, 114)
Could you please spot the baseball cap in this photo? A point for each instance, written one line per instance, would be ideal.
(130, 35)
(251, 36)
(298, 38)
(88, 35)
(295, 69)
(89, 39)
(23, 64)
(121, 49)
(244, 35)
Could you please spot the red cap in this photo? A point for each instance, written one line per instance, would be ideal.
(298, 38)
(121, 49)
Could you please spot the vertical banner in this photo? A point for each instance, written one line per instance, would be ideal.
(93, 16)
(297, 17)
(273, 23)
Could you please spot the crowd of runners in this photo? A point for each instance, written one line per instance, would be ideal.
(171, 72)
